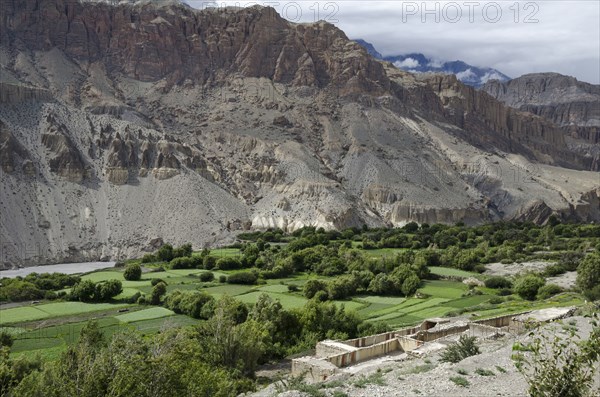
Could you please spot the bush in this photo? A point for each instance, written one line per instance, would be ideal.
(149, 258)
(246, 278)
(157, 292)
(460, 381)
(312, 287)
(87, 291)
(560, 365)
(528, 286)
(156, 281)
(588, 276)
(165, 253)
(228, 264)
(465, 347)
(133, 272)
(182, 263)
(293, 288)
(206, 277)
(209, 262)
(498, 282)
(183, 251)
(548, 291)
(505, 292)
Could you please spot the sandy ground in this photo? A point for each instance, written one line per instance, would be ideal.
(501, 269)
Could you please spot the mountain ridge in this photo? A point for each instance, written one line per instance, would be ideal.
(266, 123)
(419, 63)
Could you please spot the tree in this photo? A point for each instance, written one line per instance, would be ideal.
(588, 276)
(157, 292)
(528, 286)
(555, 364)
(133, 272)
(227, 342)
(312, 287)
(107, 290)
(6, 339)
(411, 285)
(84, 291)
(383, 284)
(165, 253)
(498, 282)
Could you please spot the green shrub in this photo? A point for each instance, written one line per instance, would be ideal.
(246, 278)
(484, 372)
(460, 381)
(465, 347)
(548, 291)
(222, 278)
(527, 287)
(498, 282)
(133, 272)
(149, 258)
(588, 276)
(183, 262)
(206, 277)
(156, 281)
(228, 264)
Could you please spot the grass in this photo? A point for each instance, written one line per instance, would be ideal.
(500, 369)
(460, 381)
(419, 369)
(44, 311)
(451, 272)
(145, 314)
(484, 372)
(158, 324)
(444, 289)
(103, 276)
(468, 301)
(286, 300)
(373, 379)
(383, 252)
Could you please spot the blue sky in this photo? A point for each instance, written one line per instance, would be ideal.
(515, 37)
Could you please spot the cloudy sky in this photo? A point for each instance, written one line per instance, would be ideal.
(515, 37)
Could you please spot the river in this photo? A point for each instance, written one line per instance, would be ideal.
(67, 268)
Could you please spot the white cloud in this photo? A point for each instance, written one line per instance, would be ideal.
(565, 38)
(467, 75)
(407, 63)
(435, 63)
(490, 76)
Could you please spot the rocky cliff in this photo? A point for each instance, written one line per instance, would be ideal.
(133, 122)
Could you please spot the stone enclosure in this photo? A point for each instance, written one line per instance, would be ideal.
(331, 356)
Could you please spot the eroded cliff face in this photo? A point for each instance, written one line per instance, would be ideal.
(476, 112)
(571, 104)
(128, 124)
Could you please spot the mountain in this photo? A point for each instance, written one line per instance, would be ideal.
(563, 100)
(419, 63)
(125, 125)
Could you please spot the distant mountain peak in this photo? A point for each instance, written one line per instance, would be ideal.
(419, 63)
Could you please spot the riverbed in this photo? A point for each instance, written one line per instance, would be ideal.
(66, 268)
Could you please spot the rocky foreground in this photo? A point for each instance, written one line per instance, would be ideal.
(427, 376)
(123, 126)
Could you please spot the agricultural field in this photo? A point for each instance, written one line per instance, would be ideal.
(48, 328)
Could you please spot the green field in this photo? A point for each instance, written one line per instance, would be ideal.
(49, 310)
(145, 314)
(443, 289)
(288, 301)
(451, 272)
